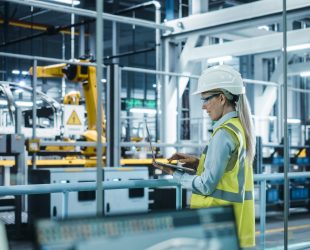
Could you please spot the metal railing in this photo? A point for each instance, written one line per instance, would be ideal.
(262, 179)
(106, 185)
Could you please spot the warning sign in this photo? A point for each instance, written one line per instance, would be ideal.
(74, 119)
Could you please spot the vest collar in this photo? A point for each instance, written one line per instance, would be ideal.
(224, 119)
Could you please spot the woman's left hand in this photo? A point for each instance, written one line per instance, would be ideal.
(167, 170)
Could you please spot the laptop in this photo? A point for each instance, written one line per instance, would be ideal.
(174, 167)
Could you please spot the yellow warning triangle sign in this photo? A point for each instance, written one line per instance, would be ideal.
(74, 119)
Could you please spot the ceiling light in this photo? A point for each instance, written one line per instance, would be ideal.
(305, 74)
(293, 121)
(15, 72)
(219, 59)
(22, 83)
(3, 102)
(24, 104)
(24, 73)
(18, 91)
(263, 27)
(298, 47)
(74, 2)
(143, 111)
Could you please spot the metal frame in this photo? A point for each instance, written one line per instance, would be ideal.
(255, 13)
(99, 76)
(248, 46)
(286, 135)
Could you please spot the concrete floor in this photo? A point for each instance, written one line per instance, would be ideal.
(298, 231)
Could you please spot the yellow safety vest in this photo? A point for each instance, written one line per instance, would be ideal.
(236, 187)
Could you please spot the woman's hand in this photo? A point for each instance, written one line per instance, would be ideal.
(188, 160)
(167, 170)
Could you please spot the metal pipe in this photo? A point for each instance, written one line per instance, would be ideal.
(262, 216)
(63, 81)
(99, 53)
(300, 90)
(86, 186)
(65, 204)
(178, 197)
(129, 53)
(90, 13)
(82, 41)
(109, 118)
(280, 176)
(286, 139)
(108, 185)
(138, 6)
(154, 72)
(157, 66)
(146, 144)
(72, 36)
(251, 81)
(117, 106)
(271, 145)
(46, 59)
(33, 15)
(115, 43)
(34, 108)
(63, 143)
(113, 115)
(179, 112)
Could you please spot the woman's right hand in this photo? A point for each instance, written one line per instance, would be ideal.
(188, 160)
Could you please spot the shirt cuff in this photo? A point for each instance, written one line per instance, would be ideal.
(186, 180)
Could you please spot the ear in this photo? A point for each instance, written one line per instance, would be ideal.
(223, 99)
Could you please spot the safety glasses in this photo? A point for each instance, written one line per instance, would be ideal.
(205, 100)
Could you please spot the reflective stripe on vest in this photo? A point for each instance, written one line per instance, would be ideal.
(242, 194)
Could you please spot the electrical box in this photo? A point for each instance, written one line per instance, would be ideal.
(120, 201)
(16, 143)
(3, 139)
(83, 203)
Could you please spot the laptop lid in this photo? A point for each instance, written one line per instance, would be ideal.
(149, 137)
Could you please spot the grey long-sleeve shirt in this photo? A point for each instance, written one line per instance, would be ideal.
(219, 152)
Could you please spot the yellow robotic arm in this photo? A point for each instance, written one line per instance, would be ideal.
(87, 76)
(72, 98)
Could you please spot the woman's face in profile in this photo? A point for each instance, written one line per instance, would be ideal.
(212, 104)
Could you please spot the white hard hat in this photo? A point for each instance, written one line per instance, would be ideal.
(220, 77)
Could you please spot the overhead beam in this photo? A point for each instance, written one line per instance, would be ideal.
(245, 15)
(90, 13)
(250, 46)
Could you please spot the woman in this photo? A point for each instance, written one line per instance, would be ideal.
(224, 173)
